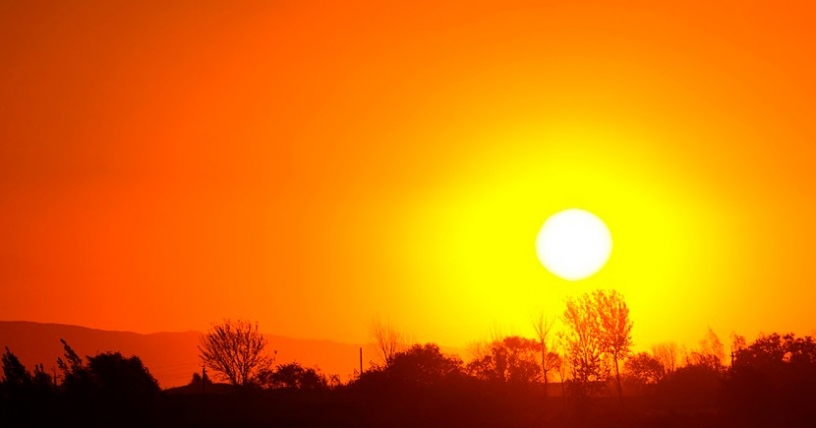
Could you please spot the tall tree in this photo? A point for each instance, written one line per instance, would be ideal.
(235, 350)
(17, 381)
(14, 372)
(77, 379)
(616, 328)
(582, 340)
(549, 359)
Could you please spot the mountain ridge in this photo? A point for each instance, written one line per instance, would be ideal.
(172, 357)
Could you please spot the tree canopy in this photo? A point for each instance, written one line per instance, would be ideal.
(236, 351)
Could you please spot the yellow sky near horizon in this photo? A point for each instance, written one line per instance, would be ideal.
(311, 165)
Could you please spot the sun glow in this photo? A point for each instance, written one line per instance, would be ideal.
(573, 244)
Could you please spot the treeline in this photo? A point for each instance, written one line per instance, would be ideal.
(583, 374)
(107, 389)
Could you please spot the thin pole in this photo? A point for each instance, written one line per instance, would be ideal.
(361, 361)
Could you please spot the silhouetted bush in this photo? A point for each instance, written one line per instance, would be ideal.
(294, 376)
(692, 388)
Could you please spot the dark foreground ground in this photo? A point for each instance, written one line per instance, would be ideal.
(457, 406)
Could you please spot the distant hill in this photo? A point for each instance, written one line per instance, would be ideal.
(171, 357)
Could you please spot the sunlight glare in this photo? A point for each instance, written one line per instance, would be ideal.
(573, 244)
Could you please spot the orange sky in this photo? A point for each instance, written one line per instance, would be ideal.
(311, 165)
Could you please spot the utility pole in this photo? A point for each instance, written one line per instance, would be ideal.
(361, 361)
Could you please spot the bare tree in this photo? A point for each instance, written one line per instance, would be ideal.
(235, 350)
(549, 360)
(388, 340)
(616, 328)
(711, 352)
(712, 345)
(668, 354)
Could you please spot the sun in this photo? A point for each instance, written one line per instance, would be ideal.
(573, 244)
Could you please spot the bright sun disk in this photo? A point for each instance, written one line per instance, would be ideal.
(573, 244)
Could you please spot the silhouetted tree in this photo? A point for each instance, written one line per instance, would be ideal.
(695, 387)
(549, 360)
(584, 343)
(123, 379)
(488, 367)
(15, 375)
(667, 354)
(616, 328)
(77, 380)
(42, 380)
(294, 376)
(109, 389)
(198, 379)
(564, 364)
(334, 381)
(644, 369)
(522, 359)
(235, 350)
(775, 378)
(388, 340)
(513, 359)
(26, 398)
(738, 343)
(418, 367)
(711, 352)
